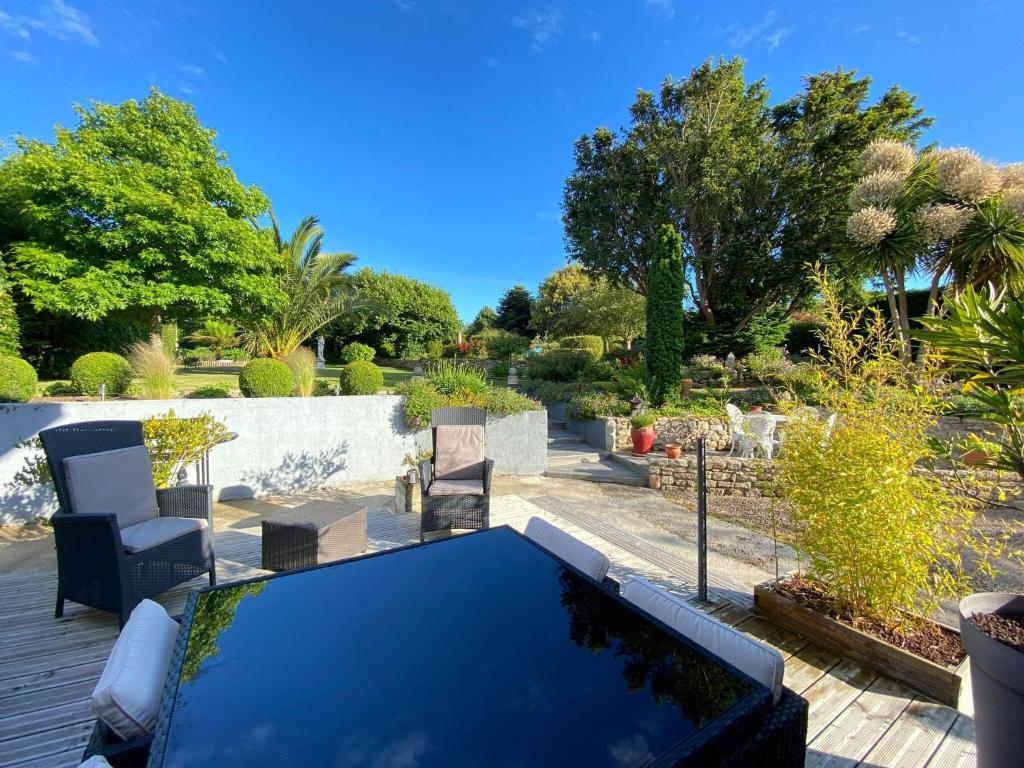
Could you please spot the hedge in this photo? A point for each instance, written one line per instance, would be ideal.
(592, 344)
(94, 369)
(18, 380)
(361, 378)
(264, 377)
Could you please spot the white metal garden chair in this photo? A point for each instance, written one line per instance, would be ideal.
(736, 427)
(758, 435)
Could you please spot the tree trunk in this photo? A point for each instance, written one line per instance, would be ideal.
(894, 313)
(904, 314)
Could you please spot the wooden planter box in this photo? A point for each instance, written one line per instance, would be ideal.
(945, 684)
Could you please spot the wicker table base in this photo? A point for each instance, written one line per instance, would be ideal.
(314, 533)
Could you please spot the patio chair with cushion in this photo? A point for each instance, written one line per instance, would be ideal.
(781, 741)
(456, 483)
(119, 538)
(581, 556)
(127, 697)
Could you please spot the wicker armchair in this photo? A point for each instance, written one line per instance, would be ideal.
(93, 566)
(443, 513)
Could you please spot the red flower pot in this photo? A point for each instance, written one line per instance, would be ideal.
(673, 450)
(643, 440)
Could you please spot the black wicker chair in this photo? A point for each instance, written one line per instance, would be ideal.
(780, 742)
(93, 567)
(443, 513)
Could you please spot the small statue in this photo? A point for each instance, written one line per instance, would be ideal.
(320, 361)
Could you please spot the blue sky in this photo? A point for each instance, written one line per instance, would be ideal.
(433, 136)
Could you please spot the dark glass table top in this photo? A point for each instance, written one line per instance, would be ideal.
(480, 650)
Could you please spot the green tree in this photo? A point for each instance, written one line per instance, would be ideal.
(755, 192)
(398, 315)
(485, 318)
(664, 348)
(611, 312)
(134, 208)
(557, 293)
(9, 329)
(315, 288)
(514, 310)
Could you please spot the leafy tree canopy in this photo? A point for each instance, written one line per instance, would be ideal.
(485, 318)
(514, 310)
(570, 301)
(135, 207)
(756, 192)
(399, 315)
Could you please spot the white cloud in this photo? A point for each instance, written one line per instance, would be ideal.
(218, 54)
(544, 27)
(664, 8)
(16, 26)
(906, 36)
(595, 36)
(58, 19)
(860, 29)
(186, 88)
(22, 56)
(741, 36)
(191, 69)
(774, 40)
(65, 22)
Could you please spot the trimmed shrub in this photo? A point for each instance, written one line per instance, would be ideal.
(593, 404)
(664, 340)
(211, 392)
(566, 365)
(434, 349)
(357, 351)
(592, 344)
(18, 380)
(502, 345)
(361, 377)
(95, 368)
(803, 337)
(323, 388)
(265, 377)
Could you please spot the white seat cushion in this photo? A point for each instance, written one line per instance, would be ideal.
(556, 541)
(456, 488)
(158, 530)
(127, 697)
(458, 452)
(96, 761)
(118, 481)
(759, 661)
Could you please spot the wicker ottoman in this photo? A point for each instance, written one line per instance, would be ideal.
(314, 533)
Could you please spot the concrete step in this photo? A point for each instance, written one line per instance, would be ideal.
(601, 472)
(564, 437)
(574, 453)
(638, 464)
(556, 424)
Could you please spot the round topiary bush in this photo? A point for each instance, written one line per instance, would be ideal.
(361, 378)
(17, 380)
(265, 377)
(357, 351)
(96, 368)
(592, 344)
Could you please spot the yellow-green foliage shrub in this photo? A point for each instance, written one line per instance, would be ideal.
(173, 443)
(885, 535)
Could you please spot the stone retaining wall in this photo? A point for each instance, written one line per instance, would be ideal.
(678, 429)
(727, 476)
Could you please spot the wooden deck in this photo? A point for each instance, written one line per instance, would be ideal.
(49, 666)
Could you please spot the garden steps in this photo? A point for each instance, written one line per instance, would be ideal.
(570, 457)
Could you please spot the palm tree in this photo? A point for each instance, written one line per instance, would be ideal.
(314, 287)
(217, 335)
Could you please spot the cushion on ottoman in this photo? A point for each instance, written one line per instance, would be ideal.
(118, 481)
(127, 696)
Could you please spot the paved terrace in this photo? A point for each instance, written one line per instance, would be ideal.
(49, 666)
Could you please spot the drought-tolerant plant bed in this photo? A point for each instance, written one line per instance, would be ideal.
(923, 654)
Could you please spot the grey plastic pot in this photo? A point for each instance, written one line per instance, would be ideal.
(997, 681)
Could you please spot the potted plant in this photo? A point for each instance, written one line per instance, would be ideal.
(642, 433)
(992, 631)
(673, 450)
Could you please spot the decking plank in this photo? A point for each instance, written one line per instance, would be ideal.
(914, 737)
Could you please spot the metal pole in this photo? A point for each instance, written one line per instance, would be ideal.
(702, 523)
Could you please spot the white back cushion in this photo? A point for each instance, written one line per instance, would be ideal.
(759, 661)
(127, 696)
(119, 481)
(583, 556)
(96, 761)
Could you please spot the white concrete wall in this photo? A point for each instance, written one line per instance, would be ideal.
(284, 444)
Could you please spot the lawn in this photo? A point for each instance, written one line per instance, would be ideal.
(190, 379)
